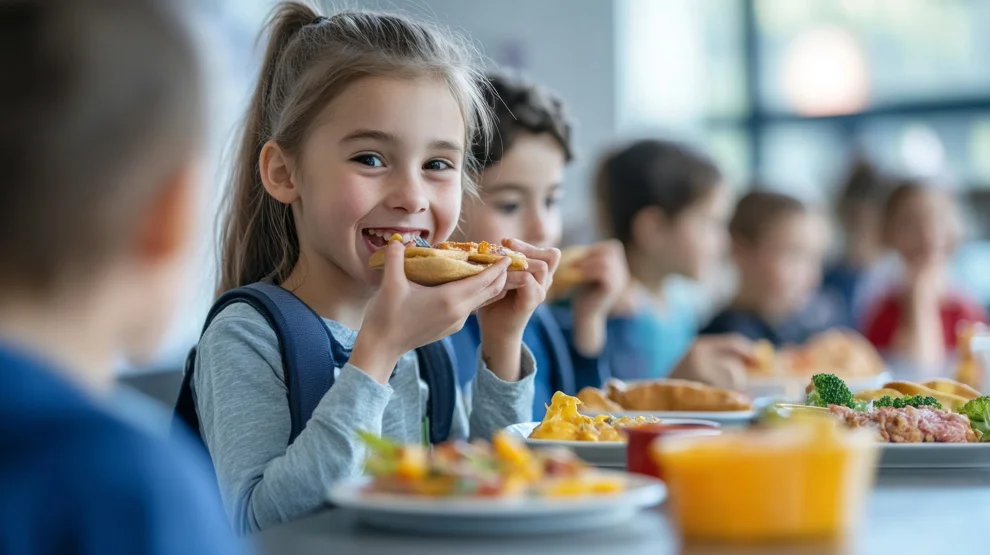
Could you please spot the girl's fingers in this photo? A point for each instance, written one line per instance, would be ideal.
(515, 280)
(395, 264)
(479, 288)
(539, 270)
(497, 298)
(532, 290)
(551, 257)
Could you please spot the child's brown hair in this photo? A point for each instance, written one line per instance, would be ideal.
(102, 104)
(905, 189)
(310, 59)
(651, 173)
(522, 107)
(757, 211)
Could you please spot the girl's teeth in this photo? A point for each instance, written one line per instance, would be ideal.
(387, 234)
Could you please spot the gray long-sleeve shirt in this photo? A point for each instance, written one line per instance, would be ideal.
(241, 398)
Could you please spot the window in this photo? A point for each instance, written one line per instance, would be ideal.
(781, 91)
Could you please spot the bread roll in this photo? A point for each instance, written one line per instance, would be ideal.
(595, 400)
(676, 395)
(949, 401)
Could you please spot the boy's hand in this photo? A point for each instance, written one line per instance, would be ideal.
(503, 319)
(604, 267)
(403, 315)
(718, 360)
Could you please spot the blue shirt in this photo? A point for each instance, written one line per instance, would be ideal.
(750, 325)
(75, 478)
(834, 301)
(558, 366)
(647, 345)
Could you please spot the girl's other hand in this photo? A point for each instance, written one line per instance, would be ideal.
(718, 360)
(503, 320)
(403, 315)
(607, 274)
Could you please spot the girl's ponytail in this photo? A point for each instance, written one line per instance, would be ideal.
(258, 239)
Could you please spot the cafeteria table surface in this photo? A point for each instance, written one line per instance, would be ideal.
(910, 511)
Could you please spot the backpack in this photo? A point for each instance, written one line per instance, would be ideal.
(310, 354)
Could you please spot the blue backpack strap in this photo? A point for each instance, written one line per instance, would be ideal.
(436, 363)
(309, 352)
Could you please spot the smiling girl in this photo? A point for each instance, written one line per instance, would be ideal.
(360, 128)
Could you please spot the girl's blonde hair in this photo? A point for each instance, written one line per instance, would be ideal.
(309, 61)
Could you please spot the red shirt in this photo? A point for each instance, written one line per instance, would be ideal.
(887, 313)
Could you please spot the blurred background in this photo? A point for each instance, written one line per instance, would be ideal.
(780, 92)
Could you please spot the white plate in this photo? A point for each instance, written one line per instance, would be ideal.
(604, 454)
(487, 516)
(792, 388)
(724, 417)
(935, 455)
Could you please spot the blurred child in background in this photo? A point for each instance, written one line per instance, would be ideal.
(101, 130)
(916, 323)
(860, 213)
(778, 246)
(668, 207)
(519, 193)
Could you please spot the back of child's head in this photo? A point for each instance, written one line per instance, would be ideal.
(102, 107)
(518, 107)
(310, 60)
(863, 193)
(657, 174)
(759, 211)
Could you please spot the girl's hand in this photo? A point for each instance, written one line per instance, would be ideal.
(604, 266)
(403, 315)
(503, 319)
(718, 360)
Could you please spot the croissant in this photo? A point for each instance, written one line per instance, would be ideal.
(676, 395)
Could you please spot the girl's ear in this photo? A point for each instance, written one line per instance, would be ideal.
(276, 168)
(649, 227)
(170, 222)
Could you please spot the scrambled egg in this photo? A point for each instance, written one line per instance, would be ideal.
(563, 422)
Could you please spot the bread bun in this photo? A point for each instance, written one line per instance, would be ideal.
(567, 276)
(949, 401)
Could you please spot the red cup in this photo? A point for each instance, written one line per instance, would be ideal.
(641, 437)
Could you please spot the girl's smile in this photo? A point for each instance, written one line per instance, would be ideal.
(377, 237)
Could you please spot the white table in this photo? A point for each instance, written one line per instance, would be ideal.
(909, 512)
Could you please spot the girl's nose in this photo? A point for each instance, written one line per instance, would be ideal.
(407, 192)
(536, 228)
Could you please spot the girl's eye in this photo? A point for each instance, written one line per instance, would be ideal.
(552, 202)
(370, 160)
(438, 165)
(507, 208)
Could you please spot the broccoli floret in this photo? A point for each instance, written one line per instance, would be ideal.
(916, 401)
(830, 390)
(814, 399)
(978, 412)
(926, 401)
(885, 401)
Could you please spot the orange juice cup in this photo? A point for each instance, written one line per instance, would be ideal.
(793, 482)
